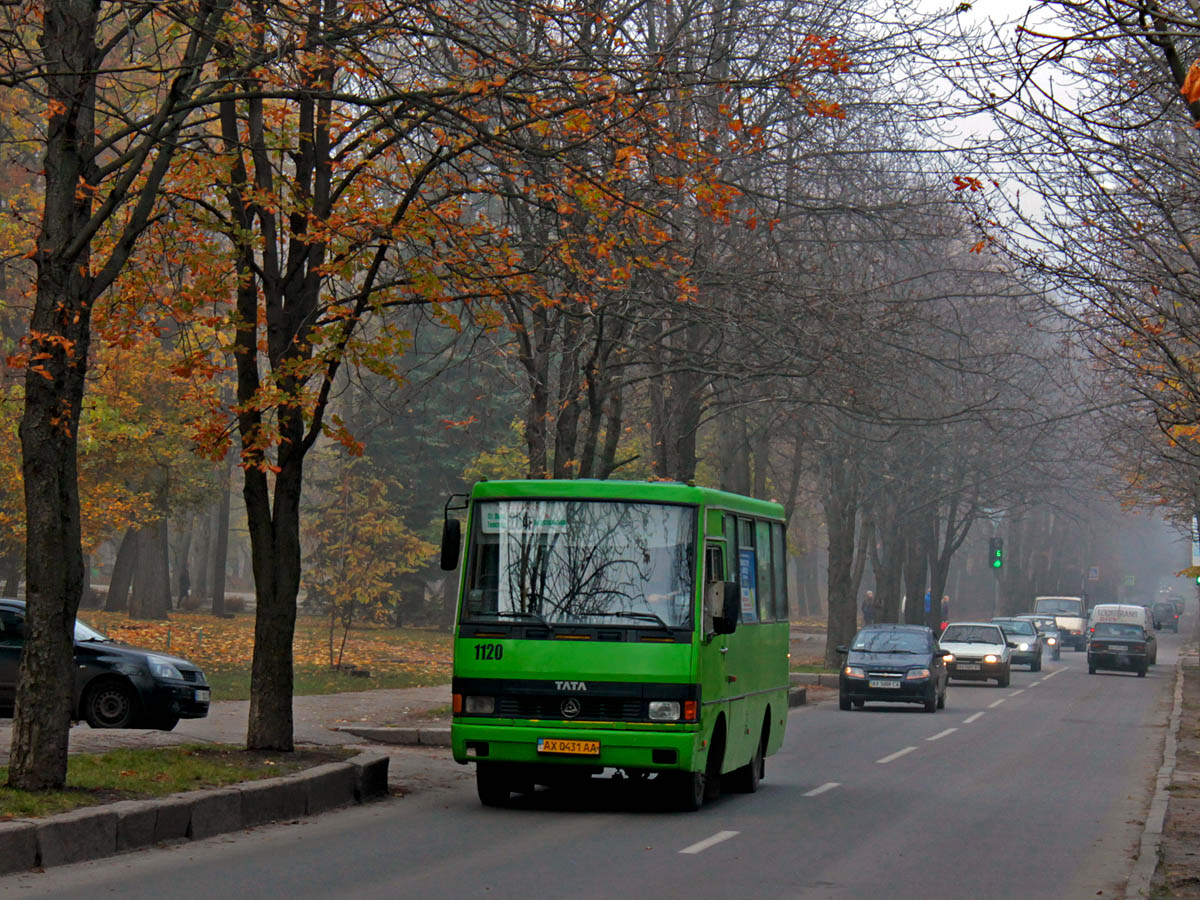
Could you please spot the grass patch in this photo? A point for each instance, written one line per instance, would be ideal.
(140, 774)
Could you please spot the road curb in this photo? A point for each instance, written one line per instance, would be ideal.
(96, 832)
(1147, 860)
(405, 736)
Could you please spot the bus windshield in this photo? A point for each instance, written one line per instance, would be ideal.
(582, 562)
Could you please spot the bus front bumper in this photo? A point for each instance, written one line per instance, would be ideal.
(649, 748)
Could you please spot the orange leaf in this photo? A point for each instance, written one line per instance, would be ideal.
(1191, 84)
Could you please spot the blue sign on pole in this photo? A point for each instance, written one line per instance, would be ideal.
(928, 602)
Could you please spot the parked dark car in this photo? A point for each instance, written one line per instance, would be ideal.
(116, 686)
(1165, 616)
(893, 663)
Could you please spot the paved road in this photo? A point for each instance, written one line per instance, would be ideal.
(1034, 791)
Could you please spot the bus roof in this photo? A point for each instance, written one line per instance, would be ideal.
(643, 491)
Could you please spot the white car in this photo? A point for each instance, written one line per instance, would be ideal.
(980, 652)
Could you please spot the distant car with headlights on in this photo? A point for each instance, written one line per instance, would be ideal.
(1118, 646)
(980, 652)
(116, 686)
(1024, 642)
(1047, 627)
(893, 664)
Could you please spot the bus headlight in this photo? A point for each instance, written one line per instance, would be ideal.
(664, 710)
(479, 705)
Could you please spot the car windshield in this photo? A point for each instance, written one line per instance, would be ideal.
(559, 562)
(84, 632)
(972, 634)
(1118, 629)
(1025, 629)
(889, 641)
(1066, 606)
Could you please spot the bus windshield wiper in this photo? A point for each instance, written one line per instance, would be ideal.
(644, 616)
(521, 614)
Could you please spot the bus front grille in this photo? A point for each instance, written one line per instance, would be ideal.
(615, 709)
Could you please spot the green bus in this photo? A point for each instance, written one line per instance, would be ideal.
(635, 626)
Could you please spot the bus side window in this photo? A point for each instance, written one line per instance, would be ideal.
(714, 563)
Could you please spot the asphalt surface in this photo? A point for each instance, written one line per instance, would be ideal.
(1039, 790)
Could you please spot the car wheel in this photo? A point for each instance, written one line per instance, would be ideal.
(163, 722)
(1036, 665)
(110, 704)
(843, 702)
(492, 785)
(1003, 680)
(941, 701)
(859, 704)
(1091, 670)
(1141, 672)
(931, 703)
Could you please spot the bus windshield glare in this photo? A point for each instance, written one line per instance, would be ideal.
(582, 562)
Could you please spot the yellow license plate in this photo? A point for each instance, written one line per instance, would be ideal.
(577, 748)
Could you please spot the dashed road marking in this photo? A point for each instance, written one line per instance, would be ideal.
(827, 786)
(701, 846)
(1051, 674)
(894, 756)
(941, 734)
(1034, 683)
(1017, 691)
(996, 703)
(971, 718)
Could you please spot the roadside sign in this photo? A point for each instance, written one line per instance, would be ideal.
(1094, 573)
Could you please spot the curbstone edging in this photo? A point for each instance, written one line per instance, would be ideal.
(78, 835)
(100, 831)
(370, 776)
(18, 845)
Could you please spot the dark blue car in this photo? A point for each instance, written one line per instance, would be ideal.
(894, 664)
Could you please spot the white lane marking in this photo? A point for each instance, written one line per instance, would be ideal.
(827, 786)
(1034, 683)
(996, 703)
(1017, 691)
(942, 734)
(1051, 674)
(971, 718)
(701, 846)
(894, 756)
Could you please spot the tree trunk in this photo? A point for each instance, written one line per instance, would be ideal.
(275, 551)
(151, 598)
(203, 553)
(60, 335)
(122, 574)
(12, 573)
(841, 517)
(916, 571)
(220, 541)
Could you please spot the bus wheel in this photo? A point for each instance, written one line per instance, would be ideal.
(747, 778)
(687, 790)
(492, 785)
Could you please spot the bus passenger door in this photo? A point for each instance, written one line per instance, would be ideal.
(714, 649)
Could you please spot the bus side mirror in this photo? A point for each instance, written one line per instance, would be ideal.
(731, 609)
(451, 544)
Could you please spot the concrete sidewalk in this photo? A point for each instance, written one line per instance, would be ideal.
(329, 719)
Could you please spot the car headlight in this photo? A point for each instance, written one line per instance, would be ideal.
(947, 656)
(664, 710)
(161, 667)
(914, 674)
(991, 658)
(1051, 641)
(479, 705)
(1022, 646)
(855, 672)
